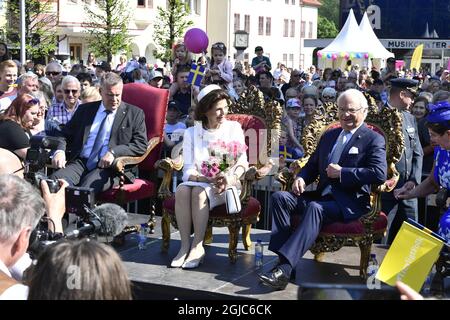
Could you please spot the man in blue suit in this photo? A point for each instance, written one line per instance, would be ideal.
(348, 160)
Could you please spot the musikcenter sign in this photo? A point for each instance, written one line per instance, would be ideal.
(413, 43)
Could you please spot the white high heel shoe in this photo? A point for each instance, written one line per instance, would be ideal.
(194, 263)
(178, 263)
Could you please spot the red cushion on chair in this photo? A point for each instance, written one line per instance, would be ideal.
(137, 190)
(254, 129)
(354, 227)
(252, 208)
(153, 102)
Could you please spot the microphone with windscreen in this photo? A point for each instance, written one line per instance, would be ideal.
(107, 220)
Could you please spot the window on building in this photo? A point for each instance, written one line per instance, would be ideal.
(292, 28)
(286, 28)
(237, 21)
(197, 7)
(285, 58)
(247, 23)
(261, 26)
(268, 26)
(293, 2)
(141, 3)
(310, 31)
(150, 4)
(302, 61)
(286, 1)
(302, 29)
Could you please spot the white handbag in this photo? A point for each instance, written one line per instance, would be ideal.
(232, 200)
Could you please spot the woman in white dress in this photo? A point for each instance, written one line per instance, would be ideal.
(199, 193)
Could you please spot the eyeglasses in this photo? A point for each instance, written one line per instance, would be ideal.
(53, 73)
(328, 97)
(350, 111)
(68, 91)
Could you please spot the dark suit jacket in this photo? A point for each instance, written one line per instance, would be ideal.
(128, 133)
(359, 170)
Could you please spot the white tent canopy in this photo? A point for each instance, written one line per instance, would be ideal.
(354, 42)
(349, 39)
(374, 46)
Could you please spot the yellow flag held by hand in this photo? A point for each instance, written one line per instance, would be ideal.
(411, 256)
(416, 59)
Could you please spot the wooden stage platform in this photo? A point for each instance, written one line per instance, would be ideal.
(337, 277)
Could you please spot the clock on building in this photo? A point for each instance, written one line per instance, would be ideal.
(241, 40)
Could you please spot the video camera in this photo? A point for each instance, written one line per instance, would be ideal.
(38, 156)
(105, 220)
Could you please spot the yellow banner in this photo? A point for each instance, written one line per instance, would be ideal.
(410, 257)
(416, 59)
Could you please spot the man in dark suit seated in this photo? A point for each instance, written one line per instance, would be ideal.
(98, 133)
(348, 160)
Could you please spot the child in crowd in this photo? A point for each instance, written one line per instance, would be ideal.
(190, 119)
(287, 154)
(173, 129)
(239, 86)
(181, 57)
(292, 124)
(221, 70)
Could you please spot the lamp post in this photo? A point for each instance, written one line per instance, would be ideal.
(22, 32)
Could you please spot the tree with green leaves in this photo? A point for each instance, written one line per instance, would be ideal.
(40, 27)
(326, 28)
(328, 21)
(170, 26)
(330, 10)
(107, 25)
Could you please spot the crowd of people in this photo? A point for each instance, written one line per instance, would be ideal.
(84, 106)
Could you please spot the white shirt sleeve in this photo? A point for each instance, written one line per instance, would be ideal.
(189, 167)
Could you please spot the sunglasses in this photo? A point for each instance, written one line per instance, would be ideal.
(53, 73)
(67, 91)
(33, 101)
(328, 97)
(218, 45)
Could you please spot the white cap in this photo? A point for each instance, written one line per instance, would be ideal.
(207, 90)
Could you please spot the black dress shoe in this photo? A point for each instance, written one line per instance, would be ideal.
(293, 272)
(277, 279)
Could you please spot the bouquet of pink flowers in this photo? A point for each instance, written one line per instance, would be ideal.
(222, 156)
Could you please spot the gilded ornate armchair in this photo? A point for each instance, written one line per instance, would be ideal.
(261, 124)
(153, 102)
(363, 231)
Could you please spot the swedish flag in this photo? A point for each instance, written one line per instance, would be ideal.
(196, 75)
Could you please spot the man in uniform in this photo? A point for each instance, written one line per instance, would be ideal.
(401, 97)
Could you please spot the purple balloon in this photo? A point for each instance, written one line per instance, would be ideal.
(196, 40)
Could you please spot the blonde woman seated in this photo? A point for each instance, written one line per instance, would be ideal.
(200, 190)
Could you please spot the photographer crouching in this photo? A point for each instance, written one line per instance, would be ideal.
(21, 208)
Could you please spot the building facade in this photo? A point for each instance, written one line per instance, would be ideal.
(72, 34)
(279, 26)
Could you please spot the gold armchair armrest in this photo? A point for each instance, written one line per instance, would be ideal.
(253, 174)
(286, 176)
(168, 165)
(120, 162)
